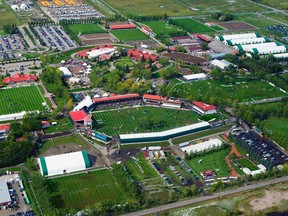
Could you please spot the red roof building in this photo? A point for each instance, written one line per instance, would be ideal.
(81, 119)
(146, 29)
(4, 128)
(172, 104)
(139, 54)
(202, 38)
(20, 78)
(83, 53)
(148, 98)
(208, 174)
(45, 124)
(122, 26)
(116, 98)
(202, 108)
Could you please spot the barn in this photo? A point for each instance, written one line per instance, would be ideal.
(64, 163)
(202, 108)
(80, 119)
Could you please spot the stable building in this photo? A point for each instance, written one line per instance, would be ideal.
(199, 147)
(237, 36)
(203, 109)
(80, 119)
(222, 64)
(148, 98)
(5, 198)
(194, 77)
(64, 163)
(122, 26)
(138, 55)
(17, 78)
(97, 52)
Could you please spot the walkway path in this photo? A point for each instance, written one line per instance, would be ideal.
(48, 95)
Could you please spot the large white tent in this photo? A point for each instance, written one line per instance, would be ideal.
(64, 163)
(202, 146)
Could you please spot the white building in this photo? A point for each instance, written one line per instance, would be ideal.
(269, 50)
(248, 47)
(86, 102)
(66, 72)
(194, 77)
(64, 163)
(202, 146)
(222, 64)
(4, 193)
(281, 55)
(203, 108)
(98, 52)
(262, 169)
(246, 41)
(237, 36)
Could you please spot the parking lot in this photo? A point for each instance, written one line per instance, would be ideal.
(56, 38)
(20, 67)
(9, 44)
(267, 152)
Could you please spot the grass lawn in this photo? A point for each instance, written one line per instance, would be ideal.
(89, 28)
(78, 191)
(123, 62)
(244, 162)
(62, 125)
(217, 28)
(142, 145)
(129, 120)
(208, 117)
(278, 16)
(161, 27)
(244, 92)
(191, 25)
(129, 34)
(211, 161)
(15, 100)
(281, 4)
(257, 21)
(150, 7)
(74, 139)
(134, 170)
(7, 15)
(2, 32)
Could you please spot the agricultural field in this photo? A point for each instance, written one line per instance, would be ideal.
(278, 16)
(192, 26)
(280, 4)
(7, 15)
(150, 7)
(136, 120)
(89, 28)
(257, 21)
(217, 28)
(129, 35)
(244, 92)
(161, 27)
(212, 6)
(78, 191)
(246, 163)
(211, 161)
(15, 100)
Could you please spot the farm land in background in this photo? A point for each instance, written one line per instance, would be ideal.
(81, 190)
(257, 21)
(18, 99)
(134, 120)
(161, 27)
(89, 28)
(192, 26)
(129, 34)
(280, 4)
(7, 15)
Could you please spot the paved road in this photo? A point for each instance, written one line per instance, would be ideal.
(205, 198)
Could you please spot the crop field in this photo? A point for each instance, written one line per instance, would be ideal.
(131, 120)
(246, 163)
(134, 170)
(15, 100)
(150, 7)
(7, 15)
(257, 21)
(278, 16)
(161, 27)
(89, 28)
(78, 191)
(211, 161)
(129, 35)
(244, 92)
(192, 26)
(217, 28)
(210, 6)
(281, 4)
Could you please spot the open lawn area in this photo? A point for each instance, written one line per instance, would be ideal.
(89, 28)
(192, 26)
(78, 191)
(123, 62)
(210, 6)
(136, 173)
(150, 7)
(211, 161)
(129, 34)
(7, 15)
(137, 120)
(15, 100)
(278, 16)
(245, 163)
(161, 27)
(257, 21)
(244, 92)
(280, 4)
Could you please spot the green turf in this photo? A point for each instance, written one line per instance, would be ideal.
(89, 28)
(123, 62)
(15, 100)
(129, 120)
(78, 191)
(63, 124)
(256, 21)
(7, 15)
(253, 90)
(129, 35)
(278, 16)
(280, 4)
(245, 163)
(192, 26)
(134, 170)
(217, 28)
(211, 161)
(161, 27)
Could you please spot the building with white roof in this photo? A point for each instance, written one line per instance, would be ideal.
(4, 193)
(98, 52)
(163, 135)
(194, 77)
(269, 50)
(237, 36)
(222, 64)
(262, 169)
(246, 41)
(64, 163)
(86, 102)
(281, 55)
(199, 147)
(66, 72)
(248, 47)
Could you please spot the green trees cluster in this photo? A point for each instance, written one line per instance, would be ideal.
(10, 29)
(222, 16)
(148, 17)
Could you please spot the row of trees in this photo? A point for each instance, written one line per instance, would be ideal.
(10, 29)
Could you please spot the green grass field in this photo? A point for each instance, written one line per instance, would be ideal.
(217, 28)
(192, 26)
(129, 120)
(257, 21)
(211, 161)
(15, 100)
(246, 163)
(161, 27)
(150, 7)
(278, 16)
(122, 62)
(134, 170)
(7, 15)
(89, 28)
(280, 4)
(129, 35)
(253, 90)
(78, 191)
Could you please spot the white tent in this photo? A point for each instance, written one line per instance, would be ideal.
(15, 7)
(84, 103)
(66, 72)
(202, 146)
(64, 163)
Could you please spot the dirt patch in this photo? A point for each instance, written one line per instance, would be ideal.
(186, 58)
(103, 38)
(234, 26)
(270, 199)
